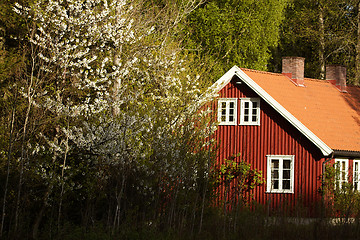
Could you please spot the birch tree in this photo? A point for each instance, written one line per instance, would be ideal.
(14, 110)
(324, 32)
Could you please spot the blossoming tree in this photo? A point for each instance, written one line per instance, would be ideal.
(127, 107)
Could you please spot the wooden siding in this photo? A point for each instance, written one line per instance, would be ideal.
(274, 136)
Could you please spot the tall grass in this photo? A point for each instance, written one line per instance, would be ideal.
(250, 224)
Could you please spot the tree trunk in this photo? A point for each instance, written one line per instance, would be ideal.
(48, 192)
(41, 213)
(2, 39)
(7, 171)
(321, 42)
(23, 144)
(118, 205)
(62, 175)
(357, 57)
(206, 184)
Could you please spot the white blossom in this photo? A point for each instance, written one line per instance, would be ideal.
(131, 104)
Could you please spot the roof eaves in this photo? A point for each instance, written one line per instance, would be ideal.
(346, 153)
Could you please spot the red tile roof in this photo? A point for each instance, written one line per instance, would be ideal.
(331, 115)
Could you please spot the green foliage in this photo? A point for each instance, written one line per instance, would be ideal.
(228, 32)
(79, 154)
(343, 202)
(324, 32)
(237, 178)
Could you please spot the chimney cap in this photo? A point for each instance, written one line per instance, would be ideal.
(335, 65)
(293, 57)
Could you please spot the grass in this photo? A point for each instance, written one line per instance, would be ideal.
(250, 225)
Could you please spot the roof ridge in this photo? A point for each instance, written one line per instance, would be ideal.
(317, 80)
(280, 74)
(327, 81)
(305, 78)
(260, 71)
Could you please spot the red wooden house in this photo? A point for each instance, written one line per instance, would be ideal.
(289, 127)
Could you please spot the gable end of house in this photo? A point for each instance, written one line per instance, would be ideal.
(236, 71)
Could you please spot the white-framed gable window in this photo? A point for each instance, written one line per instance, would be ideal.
(280, 174)
(356, 174)
(227, 111)
(342, 170)
(250, 111)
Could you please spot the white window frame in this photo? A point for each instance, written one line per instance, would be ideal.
(250, 101)
(227, 113)
(339, 161)
(281, 158)
(356, 174)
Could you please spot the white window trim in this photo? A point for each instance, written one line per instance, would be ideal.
(242, 109)
(339, 160)
(227, 100)
(358, 174)
(268, 175)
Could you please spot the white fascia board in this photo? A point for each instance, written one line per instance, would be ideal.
(226, 78)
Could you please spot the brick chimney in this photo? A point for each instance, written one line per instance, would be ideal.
(293, 67)
(336, 74)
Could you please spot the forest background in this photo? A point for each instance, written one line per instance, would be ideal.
(100, 129)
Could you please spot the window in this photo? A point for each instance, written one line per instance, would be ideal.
(250, 111)
(356, 174)
(227, 111)
(280, 174)
(342, 169)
